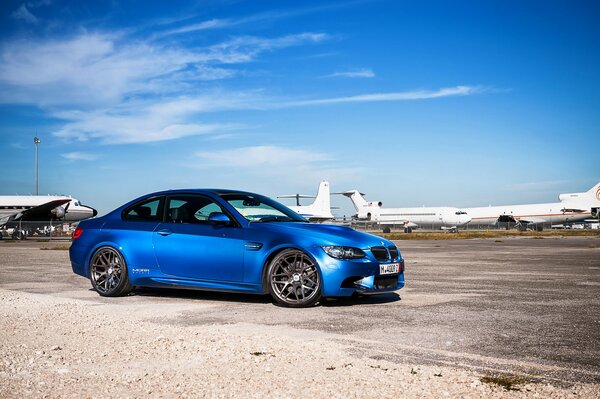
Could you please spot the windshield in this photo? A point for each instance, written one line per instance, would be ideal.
(257, 208)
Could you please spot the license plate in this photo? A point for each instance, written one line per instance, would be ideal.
(390, 268)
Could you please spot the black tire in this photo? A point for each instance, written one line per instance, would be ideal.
(18, 235)
(408, 229)
(108, 272)
(294, 279)
(387, 230)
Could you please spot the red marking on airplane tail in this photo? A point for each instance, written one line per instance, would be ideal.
(598, 194)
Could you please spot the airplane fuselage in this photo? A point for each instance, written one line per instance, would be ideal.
(16, 207)
(553, 213)
(434, 217)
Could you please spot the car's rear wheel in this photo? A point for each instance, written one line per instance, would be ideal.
(108, 273)
(294, 279)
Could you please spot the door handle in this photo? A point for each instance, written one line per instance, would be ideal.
(164, 232)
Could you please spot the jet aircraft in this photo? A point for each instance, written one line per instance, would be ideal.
(572, 207)
(22, 212)
(436, 217)
(319, 210)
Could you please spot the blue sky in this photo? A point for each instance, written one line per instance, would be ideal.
(413, 103)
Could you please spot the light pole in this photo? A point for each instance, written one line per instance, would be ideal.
(36, 141)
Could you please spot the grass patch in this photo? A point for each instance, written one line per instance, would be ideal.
(57, 248)
(508, 382)
(470, 234)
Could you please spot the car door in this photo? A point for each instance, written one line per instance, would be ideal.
(187, 245)
(134, 233)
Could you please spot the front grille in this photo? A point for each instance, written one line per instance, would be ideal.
(386, 283)
(393, 252)
(380, 253)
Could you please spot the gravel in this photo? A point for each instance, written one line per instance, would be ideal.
(69, 348)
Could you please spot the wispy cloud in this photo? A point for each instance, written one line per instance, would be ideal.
(359, 73)
(246, 48)
(22, 13)
(393, 96)
(80, 156)
(140, 123)
(101, 69)
(261, 156)
(172, 118)
(204, 25)
(279, 163)
(259, 18)
(109, 88)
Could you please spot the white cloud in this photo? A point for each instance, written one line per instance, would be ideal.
(24, 14)
(204, 25)
(261, 156)
(278, 164)
(257, 19)
(120, 91)
(360, 73)
(246, 48)
(93, 70)
(140, 123)
(394, 96)
(80, 156)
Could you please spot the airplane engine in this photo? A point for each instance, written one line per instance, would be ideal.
(363, 215)
(59, 212)
(569, 196)
(596, 213)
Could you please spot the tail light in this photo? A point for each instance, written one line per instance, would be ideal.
(77, 233)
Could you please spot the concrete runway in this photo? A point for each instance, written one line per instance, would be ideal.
(514, 305)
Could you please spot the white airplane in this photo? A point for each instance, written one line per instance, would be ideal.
(437, 217)
(572, 207)
(27, 211)
(319, 210)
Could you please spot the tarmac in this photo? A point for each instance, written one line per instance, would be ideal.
(522, 306)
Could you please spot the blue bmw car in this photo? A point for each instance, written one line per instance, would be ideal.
(234, 241)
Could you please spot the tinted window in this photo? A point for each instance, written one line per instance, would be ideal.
(145, 211)
(191, 209)
(254, 207)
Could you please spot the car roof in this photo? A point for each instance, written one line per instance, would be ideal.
(216, 191)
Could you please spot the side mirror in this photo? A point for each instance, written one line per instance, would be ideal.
(219, 218)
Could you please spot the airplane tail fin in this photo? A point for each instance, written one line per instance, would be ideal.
(323, 201)
(356, 197)
(594, 192)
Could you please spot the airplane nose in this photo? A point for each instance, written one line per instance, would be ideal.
(94, 212)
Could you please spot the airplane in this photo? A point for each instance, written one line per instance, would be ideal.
(446, 218)
(319, 210)
(39, 210)
(572, 207)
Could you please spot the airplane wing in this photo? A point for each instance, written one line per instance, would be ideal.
(521, 219)
(40, 212)
(572, 210)
(531, 220)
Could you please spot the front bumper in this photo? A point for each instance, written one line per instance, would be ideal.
(347, 277)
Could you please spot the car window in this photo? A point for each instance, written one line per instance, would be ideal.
(191, 209)
(145, 211)
(257, 208)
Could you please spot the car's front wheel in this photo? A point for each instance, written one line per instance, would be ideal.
(294, 279)
(108, 273)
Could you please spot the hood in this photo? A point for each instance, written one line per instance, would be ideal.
(326, 234)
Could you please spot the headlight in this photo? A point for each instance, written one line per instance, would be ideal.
(344, 252)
